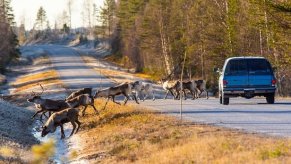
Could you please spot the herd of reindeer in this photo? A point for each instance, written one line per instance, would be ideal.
(65, 111)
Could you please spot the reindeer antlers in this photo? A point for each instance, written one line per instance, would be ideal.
(34, 94)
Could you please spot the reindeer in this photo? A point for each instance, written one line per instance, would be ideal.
(83, 99)
(145, 88)
(80, 92)
(168, 87)
(186, 86)
(201, 87)
(46, 105)
(124, 89)
(60, 118)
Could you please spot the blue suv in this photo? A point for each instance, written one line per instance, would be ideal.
(247, 77)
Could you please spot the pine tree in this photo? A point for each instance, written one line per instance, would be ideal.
(41, 19)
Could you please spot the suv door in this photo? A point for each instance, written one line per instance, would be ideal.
(260, 73)
(236, 73)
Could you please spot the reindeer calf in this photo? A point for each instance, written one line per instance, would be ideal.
(60, 118)
(84, 100)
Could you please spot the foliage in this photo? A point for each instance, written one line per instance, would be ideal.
(8, 40)
(157, 33)
(41, 19)
(41, 153)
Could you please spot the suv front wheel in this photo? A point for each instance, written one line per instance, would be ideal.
(270, 98)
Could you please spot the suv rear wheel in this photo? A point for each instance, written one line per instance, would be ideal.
(225, 100)
(270, 98)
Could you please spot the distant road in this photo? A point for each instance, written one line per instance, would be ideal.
(252, 115)
(72, 70)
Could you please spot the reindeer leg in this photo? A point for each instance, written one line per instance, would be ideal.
(113, 99)
(79, 123)
(193, 95)
(135, 100)
(83, 112)
(167, 92)
(95, 109)
(37, 113)
(106, 103)
(153, 95)
(74, 127)
(185, 95)
(207, 97)
(62, 131)
(126, 98)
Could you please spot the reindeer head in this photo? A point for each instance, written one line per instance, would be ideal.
(36, 97)
(46, 130)
(96, 94)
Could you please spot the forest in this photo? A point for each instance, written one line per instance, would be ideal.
(8, 39)
(154, 36)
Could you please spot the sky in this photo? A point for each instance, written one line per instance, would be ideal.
(27, 10)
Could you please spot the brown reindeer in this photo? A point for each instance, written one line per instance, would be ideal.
(84, 100)
(60, 118)
(124, 89)
(80, 92)
(186, 86)
(46, 105)
(201, 87)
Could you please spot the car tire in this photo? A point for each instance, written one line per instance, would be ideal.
(270, 98)
(225, 100)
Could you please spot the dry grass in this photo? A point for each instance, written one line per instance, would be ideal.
(123, 134)
(31, 80)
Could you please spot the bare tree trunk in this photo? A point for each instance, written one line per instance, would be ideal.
(266, 27)
(228, 28)
(165, 46)
(70, 3)
(261, 42)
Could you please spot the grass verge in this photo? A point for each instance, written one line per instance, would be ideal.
(28, 81)
(122, 134)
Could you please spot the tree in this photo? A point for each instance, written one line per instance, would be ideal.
(8, 40)
(70, 3)
(41, 19)
(107, 15)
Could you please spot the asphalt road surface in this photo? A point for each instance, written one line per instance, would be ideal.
(251, 115)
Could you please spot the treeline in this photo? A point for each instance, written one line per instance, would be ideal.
(8, 40)
(155, 35)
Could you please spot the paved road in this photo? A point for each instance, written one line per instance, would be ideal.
(73, 71)
(252, 115)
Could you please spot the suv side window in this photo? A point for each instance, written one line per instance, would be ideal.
(259, 67)
(236, 67)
